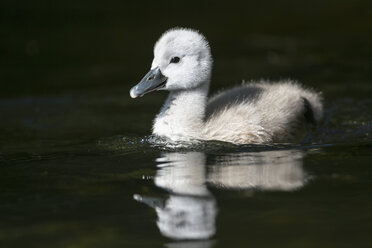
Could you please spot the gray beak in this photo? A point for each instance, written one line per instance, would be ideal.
(153, 80)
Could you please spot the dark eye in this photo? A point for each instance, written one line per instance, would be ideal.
(174, 60)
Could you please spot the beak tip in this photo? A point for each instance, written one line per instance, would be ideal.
(133, 93)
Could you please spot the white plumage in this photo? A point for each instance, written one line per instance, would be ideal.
(256, 112)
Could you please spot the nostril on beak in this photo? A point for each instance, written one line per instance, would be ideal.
(151, 77)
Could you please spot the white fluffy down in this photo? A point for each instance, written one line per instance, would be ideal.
(255, 112)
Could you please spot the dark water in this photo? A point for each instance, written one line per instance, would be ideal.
(79, 169)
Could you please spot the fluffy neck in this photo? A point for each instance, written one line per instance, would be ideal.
(182, 115)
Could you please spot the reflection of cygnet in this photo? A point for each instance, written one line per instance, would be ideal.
(190, 210)
(266, 170)
(182, 173)
(187, 217)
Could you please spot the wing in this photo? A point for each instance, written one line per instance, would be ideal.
(225, 99)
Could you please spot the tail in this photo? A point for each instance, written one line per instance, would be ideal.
(313, 107)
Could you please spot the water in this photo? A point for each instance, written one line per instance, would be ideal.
(78, 167)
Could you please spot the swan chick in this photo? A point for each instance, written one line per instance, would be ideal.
(256, 112)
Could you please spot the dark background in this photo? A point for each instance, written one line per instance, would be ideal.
(50, 47)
